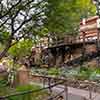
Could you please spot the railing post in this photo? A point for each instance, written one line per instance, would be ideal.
(49, 84)
(66, 92)
(90, 92)
(44, 81)
(84, 98)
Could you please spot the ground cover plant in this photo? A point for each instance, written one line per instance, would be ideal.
(79, 73)
(19, 89)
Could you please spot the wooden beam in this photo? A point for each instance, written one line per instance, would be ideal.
(89, 35)
(88, 27)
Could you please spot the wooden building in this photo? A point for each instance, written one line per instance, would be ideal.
(71, 49)
(75, 47)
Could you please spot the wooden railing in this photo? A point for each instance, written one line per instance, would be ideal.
(67, 82)
(52, 82)
(79, 39)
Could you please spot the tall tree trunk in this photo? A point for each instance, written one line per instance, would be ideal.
(8, 45)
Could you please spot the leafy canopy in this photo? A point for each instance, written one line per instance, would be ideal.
(21, 49)
(63, 16)
(31, 18)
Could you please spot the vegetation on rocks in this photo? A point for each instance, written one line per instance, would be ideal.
(80, 73)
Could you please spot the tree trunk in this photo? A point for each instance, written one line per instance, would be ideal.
(3, 53)
(8, 45)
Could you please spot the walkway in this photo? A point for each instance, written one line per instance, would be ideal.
(75, 94)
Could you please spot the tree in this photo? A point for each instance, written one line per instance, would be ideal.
(30, 18)
(16, 15)
(21, 49)
(63, 17)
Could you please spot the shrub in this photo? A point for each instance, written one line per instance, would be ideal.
(28, 96)
(54, 71)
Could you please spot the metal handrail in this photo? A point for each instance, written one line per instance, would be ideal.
(30, 91)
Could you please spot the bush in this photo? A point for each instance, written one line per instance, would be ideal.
(28, 96)
(54, 71)
(84, 73)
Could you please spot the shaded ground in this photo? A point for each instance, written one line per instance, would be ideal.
(81, 59)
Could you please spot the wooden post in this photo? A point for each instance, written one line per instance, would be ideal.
(83, 44)
(23, 75)
(66, 92)
(44, 82)
(98, 47)
(90, 92)
(49, 84)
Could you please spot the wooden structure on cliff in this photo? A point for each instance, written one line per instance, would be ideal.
(72, 48)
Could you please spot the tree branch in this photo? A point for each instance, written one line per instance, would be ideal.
(27, 20)
(8, 45)
(13, 6)
(4, 22)
(13, 31)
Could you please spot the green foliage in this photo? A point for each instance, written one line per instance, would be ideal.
(25, 96)
(19, 89)
(43, 71)
(3, 83)
(3, 76)
(15, 17)
(4, 35)
(28, 96)
(71, 73)
(95, 76)
(26, 87)
(57, 18)
(1, 47)
(39, 71)
(98, 70)
(86, 8)
(54, 71)
(63, 17)
(21, 49)
(84, 73)
(80, 73)
(6, 90)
